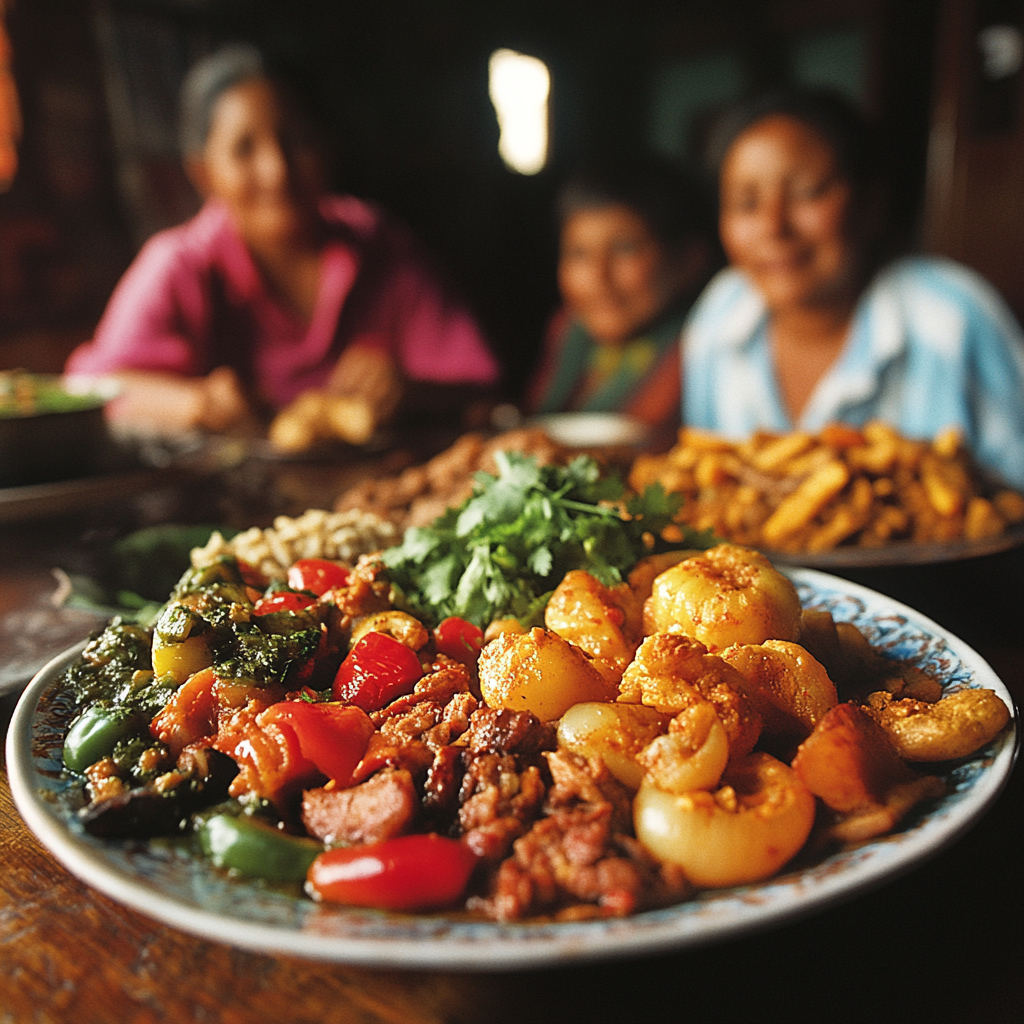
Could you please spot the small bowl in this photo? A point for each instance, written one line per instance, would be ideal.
(593, 429)
(60, 437)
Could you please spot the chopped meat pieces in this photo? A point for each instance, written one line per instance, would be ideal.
(381, 808)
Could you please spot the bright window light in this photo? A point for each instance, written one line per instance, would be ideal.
(519, 88)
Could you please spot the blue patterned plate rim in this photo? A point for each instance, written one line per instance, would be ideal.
(187, 893)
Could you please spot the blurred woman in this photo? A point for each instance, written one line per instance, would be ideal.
(275, 288)
(637, 243)
(813, 322)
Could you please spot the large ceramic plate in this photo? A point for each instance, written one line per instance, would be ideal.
(189, 894)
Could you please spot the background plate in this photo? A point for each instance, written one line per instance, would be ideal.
(900, 553)
(187, 893)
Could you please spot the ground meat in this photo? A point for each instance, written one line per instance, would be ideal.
(498, 800)
(384, 806)
(578, 860)
(418, 494)
(442, 785)
(447, 680)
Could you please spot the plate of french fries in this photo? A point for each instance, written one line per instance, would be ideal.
(842, 497)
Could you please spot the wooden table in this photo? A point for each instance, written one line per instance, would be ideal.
(943, 943)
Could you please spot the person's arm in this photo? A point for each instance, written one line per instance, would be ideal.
(152, 341)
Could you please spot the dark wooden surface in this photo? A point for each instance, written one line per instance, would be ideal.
(943, 943)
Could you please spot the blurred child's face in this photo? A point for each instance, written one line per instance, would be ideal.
(786, 215)
(614, 274)
(261, 160)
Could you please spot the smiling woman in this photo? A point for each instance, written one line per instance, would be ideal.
(277, 291)
(812, 325)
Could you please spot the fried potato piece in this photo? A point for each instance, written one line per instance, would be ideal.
(953, 727)
(539, 672)
(844, 485)
(727, 595)
(851, 765)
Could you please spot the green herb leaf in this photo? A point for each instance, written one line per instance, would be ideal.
(508, 546)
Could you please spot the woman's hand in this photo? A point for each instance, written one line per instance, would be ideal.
(167, 403)
(369, 374)
(363, 391)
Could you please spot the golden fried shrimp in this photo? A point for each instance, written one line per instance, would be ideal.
(604, 621)
(400, 626)
(616, 733)
(743, 832)
(954, 727)
(727, 595)
(539, 672)
(788, 686)
(691, 755)
(672, 672)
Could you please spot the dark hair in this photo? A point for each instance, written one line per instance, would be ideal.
(676, 203)
(826, 112)
(207, 80)
(213, 75)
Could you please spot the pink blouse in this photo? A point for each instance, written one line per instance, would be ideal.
(193, 300)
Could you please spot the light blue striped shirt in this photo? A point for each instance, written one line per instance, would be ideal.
(931, 345)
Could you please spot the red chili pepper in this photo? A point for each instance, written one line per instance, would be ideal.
(285, 601)
(317, 575)
(409, 873)
(333, 737)
(459, 639)
(378, 669)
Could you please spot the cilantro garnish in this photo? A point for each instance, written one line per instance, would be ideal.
(502, 552)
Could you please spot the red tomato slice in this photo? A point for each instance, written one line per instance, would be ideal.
(333, 737)
(317, 575)
(282, 602)
(378, 669)
(269, 758)
(417, 872)
(459, 639)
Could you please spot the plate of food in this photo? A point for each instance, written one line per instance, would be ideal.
(844, 497)
(442, 798)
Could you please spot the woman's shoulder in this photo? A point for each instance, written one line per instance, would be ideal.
(934, 287)
(197, 241)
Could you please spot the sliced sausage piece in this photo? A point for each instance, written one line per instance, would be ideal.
(382, 807)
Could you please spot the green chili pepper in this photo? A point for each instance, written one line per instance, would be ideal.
(256, 850)
(95, 733)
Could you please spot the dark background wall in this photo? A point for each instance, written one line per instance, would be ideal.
(406, 87)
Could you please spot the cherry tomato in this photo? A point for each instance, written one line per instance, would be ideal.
(333, 737)
(317, 575)
(378, 669)
(459, 639)
(284, 601)
(416, 872)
